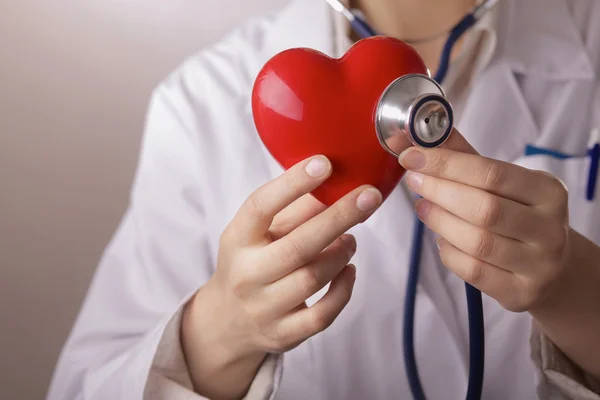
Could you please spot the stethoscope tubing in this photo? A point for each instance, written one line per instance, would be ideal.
(410, 297)
(361, 27)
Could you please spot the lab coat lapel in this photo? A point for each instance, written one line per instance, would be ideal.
(542, 39)
(544, 45)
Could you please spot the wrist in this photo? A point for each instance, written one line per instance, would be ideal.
(567, 286)
(569, 316)
(220, 364)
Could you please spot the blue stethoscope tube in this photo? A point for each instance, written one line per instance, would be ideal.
(474, 300)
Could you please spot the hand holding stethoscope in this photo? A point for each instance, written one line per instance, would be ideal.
(503, 228)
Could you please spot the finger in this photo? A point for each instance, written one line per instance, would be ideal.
(297, 213)
(495, 282)
(398, 142)
(256, 214)
(480, 208)
(307, 322)
(500, 178)
(503, 252)
(283, 295)
(305, 242)
(457, 142)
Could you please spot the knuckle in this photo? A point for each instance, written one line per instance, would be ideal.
(476, 272)
(524, 294)
(520, 301)
(556, 189)
(320, 320)
(559, 191)
(253, 311)
(537, 291)
(513, 296)
(557, 239)
(254, 205)
(490, 212)
(339, 215)
(309, 282)
(277, 339)
(484, 245)
(514, 304)
(226, 237)
(439, 163)
(291, 183)
(495, 177)
(239, 285)
(242, 279)
(294, 253)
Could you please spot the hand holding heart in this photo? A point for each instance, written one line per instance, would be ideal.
(504, 229)
(282, 247)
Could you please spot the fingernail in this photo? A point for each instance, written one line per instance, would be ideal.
(423, 207)
(368, 199)
(317, 167)
(439, 246)
(349, 241)
(412, 159)
(414, 180)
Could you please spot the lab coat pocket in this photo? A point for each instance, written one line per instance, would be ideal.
(584, 215)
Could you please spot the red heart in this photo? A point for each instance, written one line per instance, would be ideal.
(305, 103)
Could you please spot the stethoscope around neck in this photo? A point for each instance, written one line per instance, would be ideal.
(414, 106)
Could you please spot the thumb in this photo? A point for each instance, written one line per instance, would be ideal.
(457, 142)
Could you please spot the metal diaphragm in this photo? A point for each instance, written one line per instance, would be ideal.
(413, 108)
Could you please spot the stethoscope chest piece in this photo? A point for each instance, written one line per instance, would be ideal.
(413, 107)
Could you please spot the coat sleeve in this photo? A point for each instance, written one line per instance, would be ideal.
(125, 341)
(169, 376)
(560, 378)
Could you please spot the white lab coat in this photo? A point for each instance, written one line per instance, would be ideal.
(201, 157)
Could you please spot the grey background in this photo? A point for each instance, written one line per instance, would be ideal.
(75, 78)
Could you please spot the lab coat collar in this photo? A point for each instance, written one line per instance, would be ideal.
(540, 37)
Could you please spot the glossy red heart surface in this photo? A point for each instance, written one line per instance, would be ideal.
(305, 103)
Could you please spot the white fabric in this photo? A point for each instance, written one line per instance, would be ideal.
(201, 157)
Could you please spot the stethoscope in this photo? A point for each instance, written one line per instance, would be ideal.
(415, 106)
